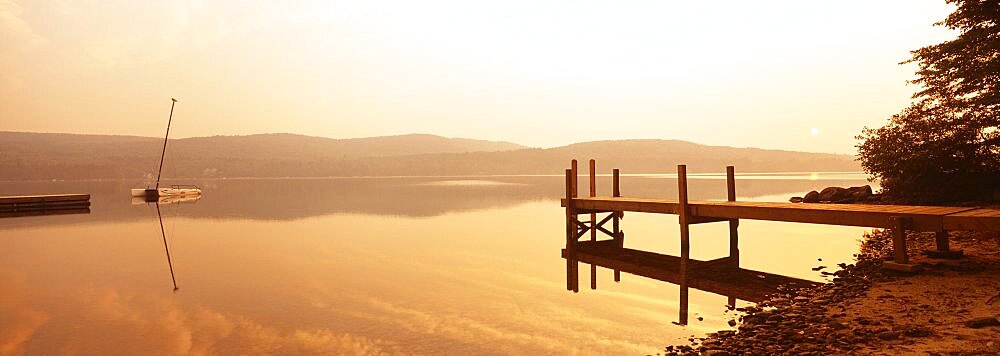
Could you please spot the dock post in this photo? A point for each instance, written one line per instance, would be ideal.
(615, 221)
(574, 181)
(682, 218)
(734, 224)
(572, 279)
(593, 219)
(593, 193)
(571, 218)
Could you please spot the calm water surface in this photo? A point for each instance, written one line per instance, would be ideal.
(466, 265)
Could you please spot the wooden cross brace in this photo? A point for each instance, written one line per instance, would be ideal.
(586, 226)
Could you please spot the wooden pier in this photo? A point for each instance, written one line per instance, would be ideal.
(899, 218)
(32, 205)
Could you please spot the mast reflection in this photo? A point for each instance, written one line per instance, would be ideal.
(166, 248)
(722, 277)
(163, 232)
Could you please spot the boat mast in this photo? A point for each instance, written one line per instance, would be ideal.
(163, 152)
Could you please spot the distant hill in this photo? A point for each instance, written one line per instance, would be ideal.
(71, 156)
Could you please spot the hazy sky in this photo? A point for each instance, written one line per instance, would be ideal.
(801, 75)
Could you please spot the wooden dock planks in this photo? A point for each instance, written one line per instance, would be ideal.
(898, 218)
(31, 205)
(43, 198)
(976, 220)
(924, 218)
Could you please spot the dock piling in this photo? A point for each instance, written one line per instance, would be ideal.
(593, 193)
(570, 214)
(572, 280)
(616, 222)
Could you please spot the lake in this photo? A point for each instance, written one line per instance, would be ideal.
(420, 265)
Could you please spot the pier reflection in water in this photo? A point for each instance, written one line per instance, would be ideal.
(720, 277)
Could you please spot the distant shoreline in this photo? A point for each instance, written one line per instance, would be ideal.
(747, 175)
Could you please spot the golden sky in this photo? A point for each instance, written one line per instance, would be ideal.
(800, 75)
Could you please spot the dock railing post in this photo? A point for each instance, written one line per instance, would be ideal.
(593, 193)
(615, 221)
(734, 224)
(682, 218)
(570, 214)
(593, 218)
(575, 173)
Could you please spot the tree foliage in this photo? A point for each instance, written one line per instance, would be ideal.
(945, 146)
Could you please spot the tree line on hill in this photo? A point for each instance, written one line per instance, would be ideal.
(36, 156)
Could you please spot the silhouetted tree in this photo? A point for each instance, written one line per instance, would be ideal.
(945, 146)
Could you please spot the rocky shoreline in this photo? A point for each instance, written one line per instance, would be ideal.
(868, 310)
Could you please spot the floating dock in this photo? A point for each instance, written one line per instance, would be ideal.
(33, 205)
(899, 218)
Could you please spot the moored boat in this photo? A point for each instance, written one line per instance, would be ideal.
(155, 193)
(190, 195)
(165, 192)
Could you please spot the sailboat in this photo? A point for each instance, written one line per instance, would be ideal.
(155, 193)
